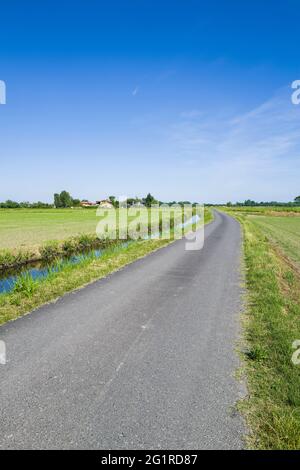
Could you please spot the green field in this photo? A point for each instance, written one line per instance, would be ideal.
(282, 231)
(23, 229)
(270, 325)
(265, 210)
(28, 228)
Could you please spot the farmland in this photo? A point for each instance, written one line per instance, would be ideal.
(284, 232)
(266, 210)
(271, 325)
(30, 228)
(32, 232)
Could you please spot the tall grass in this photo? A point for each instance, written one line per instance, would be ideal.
(25, 285)
(10, 259)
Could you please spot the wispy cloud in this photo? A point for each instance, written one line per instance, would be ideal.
(135, 91)
(248, 152)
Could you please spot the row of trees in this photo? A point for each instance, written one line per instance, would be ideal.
(63, 199)
(146, 201)
(25, 205)
(251, 203)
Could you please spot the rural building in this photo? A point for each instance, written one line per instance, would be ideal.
(87, 204)
(105, 204)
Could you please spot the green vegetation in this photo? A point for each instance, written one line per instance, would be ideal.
(64, 199)
(22, 229)
(29, 228)
(271, 325)
(29, 294)
(25, 285)
(208, 216)
(53, 249)
(262, 210)
(284, 232)
(264, 204)
(9, 259)
(24, 205)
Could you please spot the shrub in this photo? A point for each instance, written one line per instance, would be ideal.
(9, 259)
(50, 251)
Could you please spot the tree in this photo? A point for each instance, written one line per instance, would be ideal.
(11, 204)
(130, 201)
(249, 202)
(63, 199)
(113, 200)
(57, 200)
(75, 202)
(297, 199)
(149, 200)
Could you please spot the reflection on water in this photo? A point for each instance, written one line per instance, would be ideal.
(39, 270)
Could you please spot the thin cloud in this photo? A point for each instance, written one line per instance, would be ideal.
(135, 91)
(245, 153)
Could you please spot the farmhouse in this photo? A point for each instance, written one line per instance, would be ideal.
(105, 204)
(86, 203)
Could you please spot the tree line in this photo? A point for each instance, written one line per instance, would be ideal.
(65, 200)
(25, 205)
(251, 203)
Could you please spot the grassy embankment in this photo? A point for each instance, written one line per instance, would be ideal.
(29, 294)
(271, 325)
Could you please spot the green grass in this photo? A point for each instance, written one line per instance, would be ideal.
(271, 324)
(265, 210)
(208, 216)
(29, 228)
(284, 232)
(29, 294)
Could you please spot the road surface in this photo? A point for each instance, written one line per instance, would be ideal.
(142, 359)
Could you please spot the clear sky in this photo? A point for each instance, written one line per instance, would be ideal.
(186, 99)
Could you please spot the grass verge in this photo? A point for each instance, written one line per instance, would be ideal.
(53, 250)
(271, 325)
(29, 294)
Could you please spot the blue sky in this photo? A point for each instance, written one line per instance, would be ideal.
(186, 99)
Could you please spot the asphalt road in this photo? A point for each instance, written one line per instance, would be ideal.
(142, 359)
